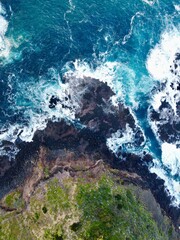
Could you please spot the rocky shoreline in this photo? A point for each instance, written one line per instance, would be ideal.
(62, 143)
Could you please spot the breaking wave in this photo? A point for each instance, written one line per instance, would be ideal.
(118, 43)
(163, 64)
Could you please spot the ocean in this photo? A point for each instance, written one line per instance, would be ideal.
(133, 46)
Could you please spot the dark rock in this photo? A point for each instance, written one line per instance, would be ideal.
(177, 56)
(53, 101)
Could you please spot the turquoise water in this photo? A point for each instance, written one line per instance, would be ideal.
(110, 39)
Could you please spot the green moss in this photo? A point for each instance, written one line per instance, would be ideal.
(46, 172)
(53, 234)
(13, 228)
(57, 196)
(80, 210)
(110, 212)
(170, 232)
(14, 200)
(36, 216)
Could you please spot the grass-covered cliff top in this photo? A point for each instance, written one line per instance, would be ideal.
(80, 207)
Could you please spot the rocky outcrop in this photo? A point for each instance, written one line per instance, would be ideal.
(61, 143)
(166, 117)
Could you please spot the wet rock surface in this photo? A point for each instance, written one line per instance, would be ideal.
(166, 117)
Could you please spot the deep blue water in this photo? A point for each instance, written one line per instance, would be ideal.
(47, 36)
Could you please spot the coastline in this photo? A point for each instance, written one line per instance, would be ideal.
(60, 144)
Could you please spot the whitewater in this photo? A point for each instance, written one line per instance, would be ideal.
(132, 46)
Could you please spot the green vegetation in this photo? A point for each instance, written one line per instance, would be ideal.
(53, 235)
(57, 196)
(14, 200)
(112, 213)
(46, 172)
(80, 209)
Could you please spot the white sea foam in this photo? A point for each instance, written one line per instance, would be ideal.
(171, 158)
(7, 42)
(3, 25)
(177, 7)
(4, 41)
(2, 10)
(150, 2)
(105, 72)
(43, 95)
(161, 57)
(114, 74)
(172, 186)
(126, 37)
(9, 135)
(120, 139)
(35, 107)
(160, 64)
(125, 139)
(119, 77)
